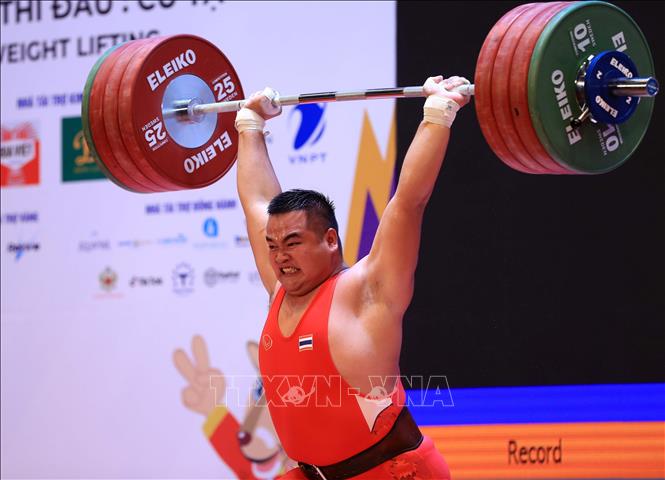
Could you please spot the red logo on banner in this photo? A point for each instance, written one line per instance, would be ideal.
(19, 156)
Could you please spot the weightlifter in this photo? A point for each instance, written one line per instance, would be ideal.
(330, 346)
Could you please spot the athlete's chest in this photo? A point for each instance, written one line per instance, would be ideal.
(288, 319)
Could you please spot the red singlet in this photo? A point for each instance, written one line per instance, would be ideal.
(319, 418)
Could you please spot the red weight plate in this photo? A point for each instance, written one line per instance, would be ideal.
(518, 89)
(142, 120)
(85, 119)
(127, 103)
(111, 122)
(500, 97)
(96, 121)
(483, 88)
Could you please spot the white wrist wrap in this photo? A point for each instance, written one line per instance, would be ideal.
(247, 119)
(441, 111)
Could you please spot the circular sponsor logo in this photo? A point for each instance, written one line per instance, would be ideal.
(267, 342)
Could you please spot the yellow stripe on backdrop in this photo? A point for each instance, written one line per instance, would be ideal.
(373, 177)
(578, 450)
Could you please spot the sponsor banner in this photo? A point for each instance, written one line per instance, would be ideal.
(19, 154)
(77, 163)
(175, 262)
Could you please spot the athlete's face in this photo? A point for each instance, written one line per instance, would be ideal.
(301, 255)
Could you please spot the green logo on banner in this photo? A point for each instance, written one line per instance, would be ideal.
(77, 162)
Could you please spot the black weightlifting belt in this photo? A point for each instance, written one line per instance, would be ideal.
(402, 437)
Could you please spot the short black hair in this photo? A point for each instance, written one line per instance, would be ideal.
(319, 208)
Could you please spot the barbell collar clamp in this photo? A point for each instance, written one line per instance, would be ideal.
(183, 111)
(582, 117)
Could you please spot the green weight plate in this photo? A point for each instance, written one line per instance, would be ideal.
(581, 30)
(85, 117)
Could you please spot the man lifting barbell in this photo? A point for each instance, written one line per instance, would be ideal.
(340, 326)
(561, 88)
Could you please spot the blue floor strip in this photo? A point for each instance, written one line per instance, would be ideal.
(550, 404)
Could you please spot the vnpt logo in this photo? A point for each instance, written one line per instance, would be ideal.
(183, 279)
(210, 228)
(311, 125)
(309, 131)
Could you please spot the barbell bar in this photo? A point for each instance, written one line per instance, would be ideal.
(188, 108)
(158, 119)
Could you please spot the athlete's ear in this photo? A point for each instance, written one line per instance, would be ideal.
(332, 240)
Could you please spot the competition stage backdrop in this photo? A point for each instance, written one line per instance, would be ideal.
(558, 345)
(100, 286)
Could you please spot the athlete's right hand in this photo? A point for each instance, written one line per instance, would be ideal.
(445, 88)
(265, 103)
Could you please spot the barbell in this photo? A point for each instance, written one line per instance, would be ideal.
(560, 88)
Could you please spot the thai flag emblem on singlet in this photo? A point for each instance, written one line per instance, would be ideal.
(305, 342)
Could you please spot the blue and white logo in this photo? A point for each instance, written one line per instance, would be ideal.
(210, 228)
(183, 279)
(212, 235)
(311, 125)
